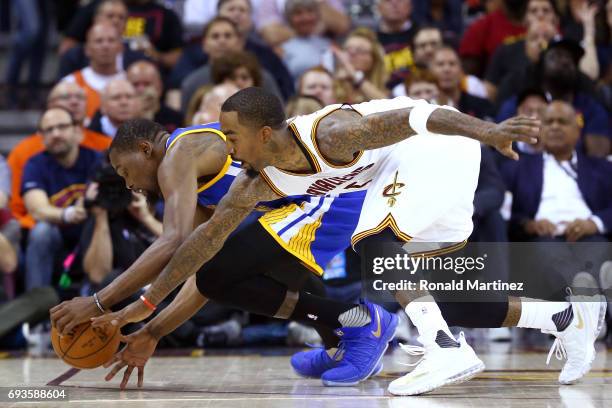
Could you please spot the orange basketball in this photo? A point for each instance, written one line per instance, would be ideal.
(86, 346)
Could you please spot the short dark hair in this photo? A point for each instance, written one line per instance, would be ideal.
(134, 130)
(256, 107)
(224, 67)
(222, 2)
(530, 91)
(217, 20)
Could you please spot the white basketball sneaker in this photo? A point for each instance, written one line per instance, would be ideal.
(445, 361)
(577, 342)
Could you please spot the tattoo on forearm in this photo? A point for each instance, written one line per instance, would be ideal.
(209, 237)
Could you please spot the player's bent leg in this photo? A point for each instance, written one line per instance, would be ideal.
(243, 282)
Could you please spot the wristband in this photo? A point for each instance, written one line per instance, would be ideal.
(98, 304)
(419, 115)
(147, 303)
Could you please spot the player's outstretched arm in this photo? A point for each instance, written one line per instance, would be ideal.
(203, 243)
(141, 344)
(341, 139)
(178, 183)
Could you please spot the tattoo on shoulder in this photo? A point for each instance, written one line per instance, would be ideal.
(345, 137)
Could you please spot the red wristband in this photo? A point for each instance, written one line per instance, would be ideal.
(147, 303)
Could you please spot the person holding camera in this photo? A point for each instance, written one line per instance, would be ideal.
(120, 226)
(52, 187)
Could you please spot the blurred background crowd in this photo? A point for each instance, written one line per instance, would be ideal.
(73, 71)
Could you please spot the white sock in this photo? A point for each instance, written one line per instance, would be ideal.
(427, 317)
(538, 314)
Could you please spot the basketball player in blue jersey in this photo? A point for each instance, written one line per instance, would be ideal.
(377, 146)
(293, 238)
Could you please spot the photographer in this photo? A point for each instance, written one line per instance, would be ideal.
(119, 228)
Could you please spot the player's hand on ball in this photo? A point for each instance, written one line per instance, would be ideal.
(134, 312)
(139, 347)
(517, 129)
(70, 313)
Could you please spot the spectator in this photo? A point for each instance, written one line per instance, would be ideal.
(240, 68)
(426, 41)
(489, 225)
(151, 28)
(28, 43)
(395, 31)
(207, 101)
(196, 56)
(482, 38)
(560, 195)
(273, 28)
(9, 234)
(360, 72)
(65, 95)
(423, 85)
(103, 46)
(113, 12)
(531, 103)
(539, 11)
(197, 13)
(302, 105)
(306, 48)
(518, 55)
(445, 15)
(220, 37)
(318, 82)
(604, 52)
(118, 230)
(52, 188)
(447, 69)
(558, 75)
(119, 104)
(147, 82)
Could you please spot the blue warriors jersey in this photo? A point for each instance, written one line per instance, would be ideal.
(312, 228)
(210, 193)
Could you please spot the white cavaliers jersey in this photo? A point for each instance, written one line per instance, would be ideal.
(422, 188)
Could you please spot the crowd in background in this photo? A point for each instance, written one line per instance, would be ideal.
(67, 222)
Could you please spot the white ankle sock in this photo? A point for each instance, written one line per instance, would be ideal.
(537, 314)
(427, 317)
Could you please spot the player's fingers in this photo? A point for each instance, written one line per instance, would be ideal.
(62, 324)
(508, 152)
(113, 360)
(140, 376)
(525, 134)
(126, 376)
(115, 370)
(112, 318)
(57, 312)
(57, 308)
(126, 339)
(70, 325)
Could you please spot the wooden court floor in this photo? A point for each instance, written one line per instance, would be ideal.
(512, 379)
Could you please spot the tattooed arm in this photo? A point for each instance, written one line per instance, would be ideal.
(203, 243)
(208, 238)
(342, 135)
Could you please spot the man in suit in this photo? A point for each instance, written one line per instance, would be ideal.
(561, 194)
(562, 203)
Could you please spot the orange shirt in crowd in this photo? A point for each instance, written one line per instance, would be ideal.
(93, 97)
(31, 146)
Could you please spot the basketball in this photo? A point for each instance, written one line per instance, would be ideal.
(85, 346)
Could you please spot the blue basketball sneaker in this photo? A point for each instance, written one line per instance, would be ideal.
(363, 348)
(313, 363)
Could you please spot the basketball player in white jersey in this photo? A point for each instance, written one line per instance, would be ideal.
(420, 188)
